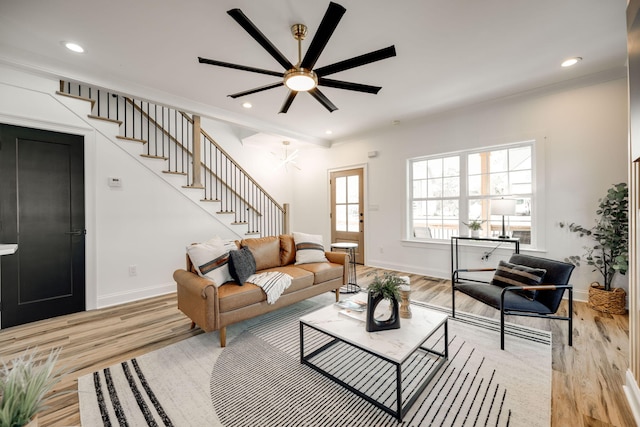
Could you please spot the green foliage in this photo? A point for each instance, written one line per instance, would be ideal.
(23, 385)
(610, 252)
(387, 286)
(474, 224)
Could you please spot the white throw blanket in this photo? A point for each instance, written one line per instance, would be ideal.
(273, 283)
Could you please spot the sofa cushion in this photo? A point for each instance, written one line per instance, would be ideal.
(300, 278)
(265, 250)
(211, 259)
(241, 265)
(287, 249)
(309, 248)
(508, 274)
(323, 271)
(233, 297)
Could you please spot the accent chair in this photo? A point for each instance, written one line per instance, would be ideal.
(525, 286)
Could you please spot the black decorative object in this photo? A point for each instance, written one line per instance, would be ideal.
(393, 322)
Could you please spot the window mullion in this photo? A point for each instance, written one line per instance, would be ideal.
(463, 198)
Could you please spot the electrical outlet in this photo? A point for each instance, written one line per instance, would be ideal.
(133, 270)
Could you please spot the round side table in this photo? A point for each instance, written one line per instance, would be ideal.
(352, 286)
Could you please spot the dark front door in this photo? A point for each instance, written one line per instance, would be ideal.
(42, 210)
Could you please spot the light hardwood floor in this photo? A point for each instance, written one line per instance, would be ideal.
(587, 378)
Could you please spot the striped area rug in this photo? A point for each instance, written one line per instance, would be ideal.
(257, 380)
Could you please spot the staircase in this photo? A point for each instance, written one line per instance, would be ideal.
(189, 155)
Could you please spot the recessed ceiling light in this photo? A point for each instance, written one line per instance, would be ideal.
(571, 61)
(328, 131)
(74, 47)
(247, 105)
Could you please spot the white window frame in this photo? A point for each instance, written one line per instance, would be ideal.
(537, 188)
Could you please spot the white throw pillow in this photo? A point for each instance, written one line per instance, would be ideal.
(309, 248)
(211, 259)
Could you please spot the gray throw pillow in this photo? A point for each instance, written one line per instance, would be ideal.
(242, 264)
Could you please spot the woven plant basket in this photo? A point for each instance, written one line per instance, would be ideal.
(613, 301)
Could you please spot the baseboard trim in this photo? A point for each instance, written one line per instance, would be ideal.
(632, 392)
(135, 295)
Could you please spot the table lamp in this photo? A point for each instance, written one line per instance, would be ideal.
(503, 207)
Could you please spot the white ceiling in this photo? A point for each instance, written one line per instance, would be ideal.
(449, 53)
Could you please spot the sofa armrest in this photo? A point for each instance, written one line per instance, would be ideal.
(337, 257)
(198, 299)
(343, 259)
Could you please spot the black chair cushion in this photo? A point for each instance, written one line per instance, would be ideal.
(508, 274)
(490, 295)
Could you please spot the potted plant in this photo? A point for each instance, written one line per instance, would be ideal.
(610, 252)
(24, 382)
(382, 288)
(475, 226)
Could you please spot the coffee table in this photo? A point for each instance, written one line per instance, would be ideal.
(389, 368)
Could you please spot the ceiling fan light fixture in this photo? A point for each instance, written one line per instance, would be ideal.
(300, 80)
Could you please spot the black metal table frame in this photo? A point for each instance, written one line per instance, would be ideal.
(455, 253)
(401, 410)
(352, 286)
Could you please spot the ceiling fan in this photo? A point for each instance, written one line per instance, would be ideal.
(302, 77)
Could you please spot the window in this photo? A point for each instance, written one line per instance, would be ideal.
(448, 191)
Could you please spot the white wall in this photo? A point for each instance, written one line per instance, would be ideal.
(145, 223)
(584, 129)
(148, 224)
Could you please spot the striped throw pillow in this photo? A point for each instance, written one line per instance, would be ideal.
(508, 274)
(309, 248)
(211, 260)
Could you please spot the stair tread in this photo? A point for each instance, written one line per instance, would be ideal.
(210, 200)
(82, 98)
(128, 138)
(151, 156)
(194, 187)
(92, 116)
(174, 172)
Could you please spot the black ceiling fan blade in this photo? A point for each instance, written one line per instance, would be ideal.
(329, 22)
(339, 84)
(239, 67)
(255, 90)
(357, 61)
(319, 96)
(254, 32)
(287, 102)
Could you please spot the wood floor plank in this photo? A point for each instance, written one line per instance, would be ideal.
(586, 385)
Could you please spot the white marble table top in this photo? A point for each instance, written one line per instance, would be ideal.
(344, 245)
(395, 344)
(8, 248)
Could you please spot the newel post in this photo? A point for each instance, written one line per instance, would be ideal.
(197, 153)
(285, 220)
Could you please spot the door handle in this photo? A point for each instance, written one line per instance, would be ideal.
(77, 232)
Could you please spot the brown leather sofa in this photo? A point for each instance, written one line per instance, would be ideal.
(213, 308)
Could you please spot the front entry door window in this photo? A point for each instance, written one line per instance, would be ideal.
(347, 218)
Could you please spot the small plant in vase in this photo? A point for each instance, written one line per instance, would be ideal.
(610, 252)
(474, 226)
(383, 288)
(24, 383)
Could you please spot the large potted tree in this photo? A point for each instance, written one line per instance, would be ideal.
(609, 254)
